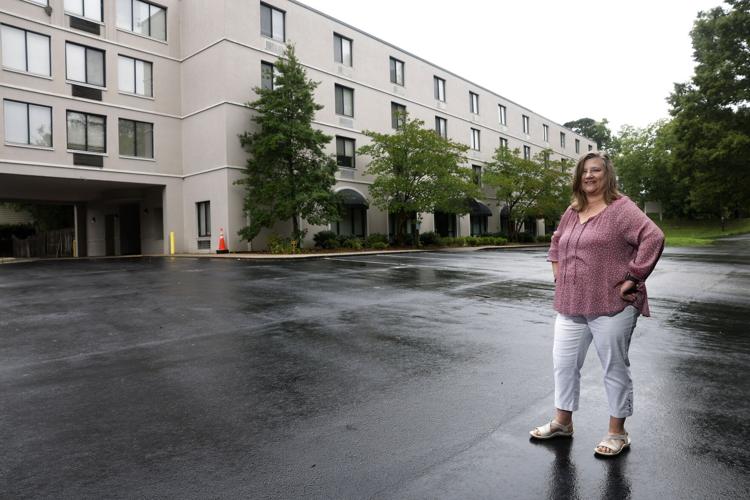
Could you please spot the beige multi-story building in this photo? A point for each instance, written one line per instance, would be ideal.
(130, 111)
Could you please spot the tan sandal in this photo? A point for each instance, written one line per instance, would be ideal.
(547, 432)
(615, 443)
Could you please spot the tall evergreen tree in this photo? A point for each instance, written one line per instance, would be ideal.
(288, 175)
(588, 127)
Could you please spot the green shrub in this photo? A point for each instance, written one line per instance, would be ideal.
(430, 238)
(379, 245)
(524, 238)
(353, 243)
(545, 238)
(374, 238)
(326, 239)
(499, 240)
(277, 245)
(471, 241)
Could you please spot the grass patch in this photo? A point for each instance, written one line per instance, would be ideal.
(682, 232)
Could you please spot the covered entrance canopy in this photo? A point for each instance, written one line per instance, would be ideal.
(353, 220)
(109, 218)
(478, 215)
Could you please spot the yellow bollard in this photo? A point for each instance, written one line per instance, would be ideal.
(171, 243)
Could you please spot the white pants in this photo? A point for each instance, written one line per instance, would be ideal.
(611, 336)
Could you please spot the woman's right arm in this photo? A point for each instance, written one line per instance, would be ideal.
(552, 255)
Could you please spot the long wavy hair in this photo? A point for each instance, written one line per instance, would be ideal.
(611, 193)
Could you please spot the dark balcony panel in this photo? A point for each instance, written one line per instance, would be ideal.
(88, 160)
(87, 92)
(84, 25)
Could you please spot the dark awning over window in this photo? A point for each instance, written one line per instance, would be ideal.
(479, 208)
(351, 197)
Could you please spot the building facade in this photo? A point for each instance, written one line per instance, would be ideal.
(130, 111)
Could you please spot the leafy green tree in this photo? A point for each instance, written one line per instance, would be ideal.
(588, 127)
(645, 166)
(288, 175)
(416, 171)
(537, 187)
(711, 113)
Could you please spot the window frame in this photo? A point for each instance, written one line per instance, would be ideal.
(26, 51)
(526, 124)
(476, 139)
(396, 122)
(476, 171)
(28, 125)
(504, 143)
(206, 220)
(578, 146)
(545, 132)
(526, 152)
(131, 29)
(83, 10)
(441, 131)
(86, 63)
(562, 140)
(264, 65)
(283, 23)
(502, 112)
(135, 137)
(340, 139)
(86, 134)
(343, 89)
(473, 102)
(439, 84)
(394, 65)
(338, 40)
(135, 79)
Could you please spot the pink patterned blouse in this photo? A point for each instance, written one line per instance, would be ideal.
(595, 257)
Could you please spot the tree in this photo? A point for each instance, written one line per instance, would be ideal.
(417, 171)
(711, 113)
(288, 175)
(645, 166)
(592, 129)
(535, 187)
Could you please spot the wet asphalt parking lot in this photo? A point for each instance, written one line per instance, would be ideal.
(377, 376)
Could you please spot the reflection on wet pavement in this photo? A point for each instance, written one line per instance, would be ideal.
(385, 376)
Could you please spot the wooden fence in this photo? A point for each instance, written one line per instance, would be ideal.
(57, 243)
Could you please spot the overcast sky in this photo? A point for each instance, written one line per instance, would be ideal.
(565, 60)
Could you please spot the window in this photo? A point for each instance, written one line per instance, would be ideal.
(502, 112)
(545, 130)
(135, 76)
(476, 171)
(545, 156)
(90, 9)
(439, 89)
(474, 103)
(398, 115)
(272, 22)
(441, 127)
(84, 64)
(87, 132)
(344, 101)
(25, 51)
(591, 147)
(28, 124)
(562, 139)
(526, 153)
(143, 18)
(578, 146)
(204, 218)
(345, 152)
(268, 73)
(503, 143)
(475, 139)
(342, 50)
(40, 2)
(525, 120)
(397, 71)
(136, 139)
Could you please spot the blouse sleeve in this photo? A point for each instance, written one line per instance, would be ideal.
(552, 255)
(647, 239)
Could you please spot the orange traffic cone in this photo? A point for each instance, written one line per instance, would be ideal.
(222, 244)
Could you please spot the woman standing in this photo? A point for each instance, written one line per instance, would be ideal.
(602, 252)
